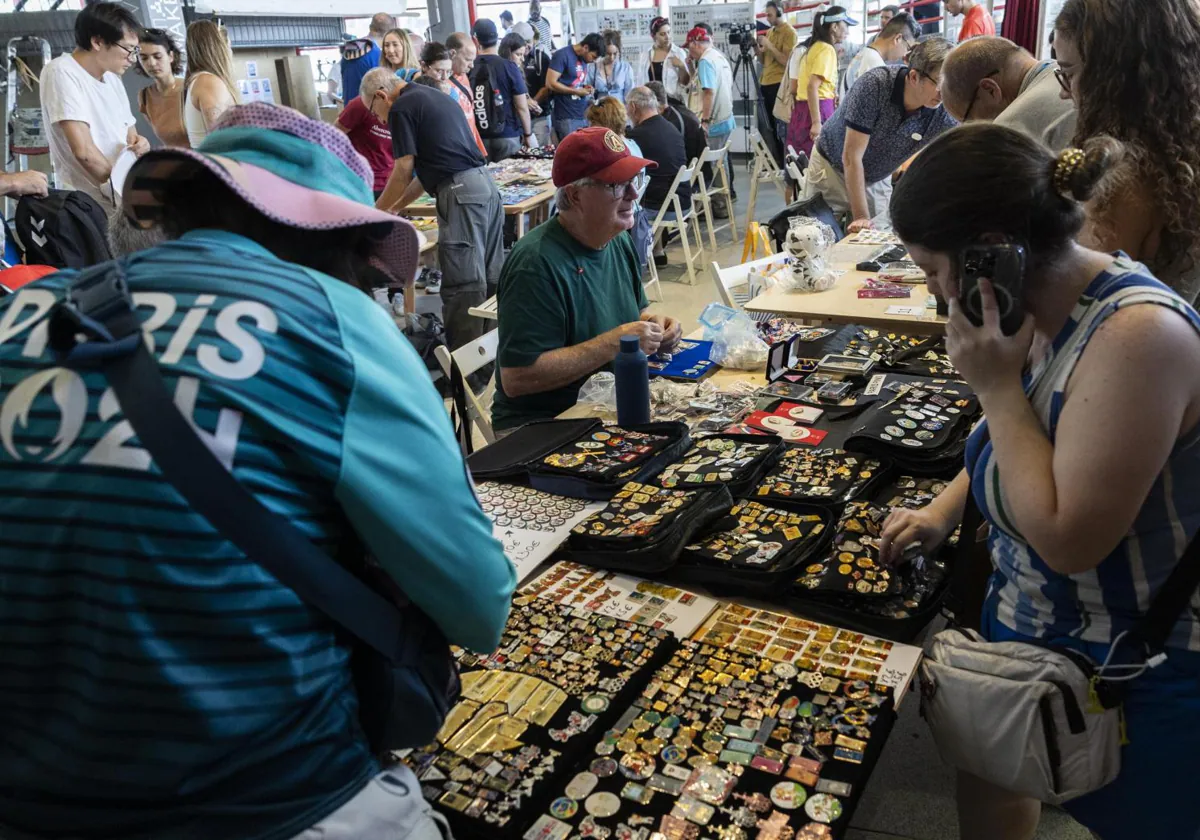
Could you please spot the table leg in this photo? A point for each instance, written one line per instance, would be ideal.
(520, 225)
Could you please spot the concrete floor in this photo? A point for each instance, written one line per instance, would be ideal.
(911, 794)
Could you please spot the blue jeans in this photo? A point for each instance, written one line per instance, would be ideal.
(1158, 764)
(564, 127)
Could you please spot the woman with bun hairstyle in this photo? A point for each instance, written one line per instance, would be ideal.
(1133, 70)
(1087, 466)
(664, 61)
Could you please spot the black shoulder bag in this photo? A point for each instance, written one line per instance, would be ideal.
(404, 675)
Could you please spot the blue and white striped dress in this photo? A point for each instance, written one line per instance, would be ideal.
(1096, 605)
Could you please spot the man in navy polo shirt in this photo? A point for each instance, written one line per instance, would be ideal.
(890, 114)
(434, 152)
(570, 97)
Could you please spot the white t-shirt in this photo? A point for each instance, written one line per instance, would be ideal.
(70, 92)
(868, 58)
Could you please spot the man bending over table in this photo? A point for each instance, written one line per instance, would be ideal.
(572, 287)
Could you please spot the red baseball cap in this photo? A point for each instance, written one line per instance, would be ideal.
(598, 153)
(698, 33)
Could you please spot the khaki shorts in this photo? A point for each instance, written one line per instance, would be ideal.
(390, 806)
(821, 178)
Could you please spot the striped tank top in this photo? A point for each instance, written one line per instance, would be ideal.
(1098, 604)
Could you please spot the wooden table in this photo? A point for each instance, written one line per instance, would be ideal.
(536, 207)
(842, 305)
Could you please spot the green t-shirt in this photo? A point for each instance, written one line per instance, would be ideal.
(556, 292)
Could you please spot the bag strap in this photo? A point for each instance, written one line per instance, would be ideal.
(1171, 600)
(458, 397)
(98, 306)
(459, 85)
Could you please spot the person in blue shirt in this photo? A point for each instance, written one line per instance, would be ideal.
(363, 54)
(513, 98)
(566, 79)
(155, 682)
(611, 75)
(1086, 466)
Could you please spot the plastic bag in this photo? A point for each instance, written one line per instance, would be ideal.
(736, 343)
(600, 391)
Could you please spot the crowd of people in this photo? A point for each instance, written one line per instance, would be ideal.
(159, 682)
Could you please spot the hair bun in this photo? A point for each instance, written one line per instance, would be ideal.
(1078, 172)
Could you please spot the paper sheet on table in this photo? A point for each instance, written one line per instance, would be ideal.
(914, 311)
(120, 171)
(621, 596)
(527, 548)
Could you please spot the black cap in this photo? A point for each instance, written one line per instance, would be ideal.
(485, 33)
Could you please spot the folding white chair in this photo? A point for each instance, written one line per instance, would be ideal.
(468, 359)
(764, 171)
(727, 280)
(681, 221)
(704, 192)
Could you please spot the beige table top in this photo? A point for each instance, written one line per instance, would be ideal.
(841, 304)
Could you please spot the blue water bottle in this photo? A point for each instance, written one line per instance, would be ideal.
(632, 374)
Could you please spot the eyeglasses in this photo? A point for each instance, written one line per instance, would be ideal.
(936, 82)
(617, 191)
(1064, 80)
(131, 53)
(975, 95)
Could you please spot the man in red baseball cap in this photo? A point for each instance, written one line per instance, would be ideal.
(573, 286)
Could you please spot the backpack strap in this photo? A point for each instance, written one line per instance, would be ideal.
(98, 306)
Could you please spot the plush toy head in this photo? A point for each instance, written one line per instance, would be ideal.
(805, 240)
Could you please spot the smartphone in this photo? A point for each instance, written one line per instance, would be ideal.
(1004, 265)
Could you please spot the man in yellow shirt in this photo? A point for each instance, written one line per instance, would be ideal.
(773, 48)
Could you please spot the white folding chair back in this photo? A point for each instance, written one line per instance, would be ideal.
(682, 222)
(765, 170)
(718, 160)
(726, 280)
(468, 359)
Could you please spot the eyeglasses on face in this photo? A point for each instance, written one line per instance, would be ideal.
(1064, 80)
(618, 191)
(131, 53)
(975, 95)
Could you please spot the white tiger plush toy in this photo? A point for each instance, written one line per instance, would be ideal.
(806, 243)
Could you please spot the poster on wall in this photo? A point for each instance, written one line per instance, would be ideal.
(633, 24)
(722, 17)
(268, 95)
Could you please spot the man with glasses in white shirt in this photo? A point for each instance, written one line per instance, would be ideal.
(84, 105)
(572, 287)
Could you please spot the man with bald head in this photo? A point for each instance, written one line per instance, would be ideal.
(992, 79)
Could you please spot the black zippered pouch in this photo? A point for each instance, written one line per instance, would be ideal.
(821, 476)
(923, 429)
(738, 461)
(583, 459)
(756, 548)
(644, 528)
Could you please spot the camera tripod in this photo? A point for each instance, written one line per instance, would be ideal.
(745, 81)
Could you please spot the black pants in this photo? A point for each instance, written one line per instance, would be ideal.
(767, 121)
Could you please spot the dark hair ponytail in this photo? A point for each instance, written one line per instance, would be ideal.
(821, 29)
(1018, 188)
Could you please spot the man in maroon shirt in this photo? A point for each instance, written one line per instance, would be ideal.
(371, 138)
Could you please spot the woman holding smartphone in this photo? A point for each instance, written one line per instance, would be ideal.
(1087, 467)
